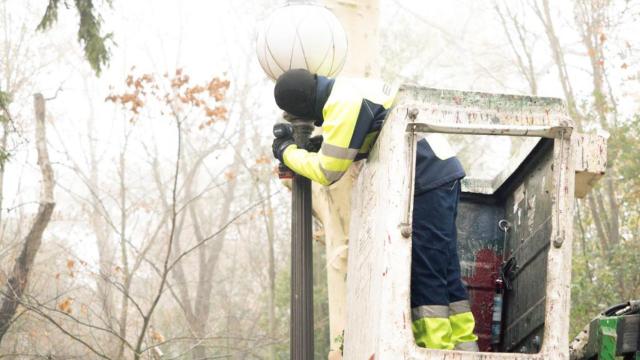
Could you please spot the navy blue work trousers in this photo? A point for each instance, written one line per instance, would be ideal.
(435, 267)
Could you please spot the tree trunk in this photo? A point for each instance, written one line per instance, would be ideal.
(124, 300)
(106, 250)
(524, 61)
(3, 147)
(544, 15)
(332, 205)
(271, 268)
(592, 21)
(17, 282)
(210, 253)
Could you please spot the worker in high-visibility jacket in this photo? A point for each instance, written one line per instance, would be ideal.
(351, 112)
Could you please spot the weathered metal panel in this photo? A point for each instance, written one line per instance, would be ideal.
(590, 158)
(468, 107)
(528, 209)
(492, 129)
(379, 320)
(558, 284)
(480, 245)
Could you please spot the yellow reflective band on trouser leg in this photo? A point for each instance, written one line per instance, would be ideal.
(462, 326)
(431, 327)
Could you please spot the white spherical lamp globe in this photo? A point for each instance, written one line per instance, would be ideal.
(302, 36)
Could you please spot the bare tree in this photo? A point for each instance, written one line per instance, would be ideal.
(609, 208)
(19, 278)
(521, 43)
(543, 13)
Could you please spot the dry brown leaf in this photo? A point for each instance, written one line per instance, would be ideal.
(230, 175)
(156, 336)
(65, 305)
(263, 159)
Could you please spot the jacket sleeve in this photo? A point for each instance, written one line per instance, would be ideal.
(305, 163)
(334, 158)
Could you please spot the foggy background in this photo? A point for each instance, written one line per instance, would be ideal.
(190, 259)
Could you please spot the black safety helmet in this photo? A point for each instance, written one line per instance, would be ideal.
(295, 92)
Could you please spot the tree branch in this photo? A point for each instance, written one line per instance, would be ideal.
(17, 282)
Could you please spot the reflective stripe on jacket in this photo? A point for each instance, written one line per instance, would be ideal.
(353, 116)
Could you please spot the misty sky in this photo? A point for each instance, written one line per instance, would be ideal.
(467, 50)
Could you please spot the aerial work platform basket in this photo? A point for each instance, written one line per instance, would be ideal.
(517, 221)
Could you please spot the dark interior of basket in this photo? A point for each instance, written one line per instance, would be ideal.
(524, 200)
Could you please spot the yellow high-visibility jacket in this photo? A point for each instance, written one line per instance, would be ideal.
(353, 116)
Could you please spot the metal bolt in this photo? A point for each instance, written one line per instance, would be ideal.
(504, 225)
(557, 242)
(536, 343)
(406, 230)
(413, 113)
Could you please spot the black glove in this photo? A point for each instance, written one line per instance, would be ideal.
(314, 144)
(280, 145)
(282, 130)
(284, 138)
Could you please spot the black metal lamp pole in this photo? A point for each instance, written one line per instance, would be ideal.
(301, 346)
(277, 29)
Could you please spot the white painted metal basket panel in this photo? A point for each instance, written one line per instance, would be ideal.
(378, 315)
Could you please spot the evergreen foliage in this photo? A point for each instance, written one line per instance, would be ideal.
(96, 44)
(5, 99)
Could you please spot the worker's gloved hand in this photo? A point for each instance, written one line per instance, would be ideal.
(284, 138)
(314, 144)
(283, 130)
(280, 145)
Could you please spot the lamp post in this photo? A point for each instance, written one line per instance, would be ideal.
(301, 326)
(301, 35)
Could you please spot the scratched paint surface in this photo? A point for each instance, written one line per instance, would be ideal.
(526, 204)
(528, 209)
(379, 322)
(480, 251)
(590, 159)
(466, 107)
